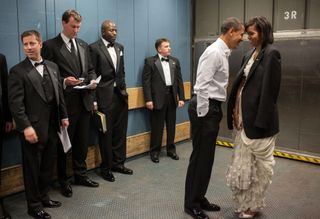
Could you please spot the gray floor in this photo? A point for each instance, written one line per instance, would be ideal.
(157, 191)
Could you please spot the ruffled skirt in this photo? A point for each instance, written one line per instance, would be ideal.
(250, 172)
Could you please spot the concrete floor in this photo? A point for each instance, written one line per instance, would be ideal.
(156, 191)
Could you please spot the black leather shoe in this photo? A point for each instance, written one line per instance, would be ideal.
(209, 207)
(39, 214)
(122, 169)
(65, 189)
(107, 175)
(3, 213)
(154, 158)
(173, 155)
(196, 213)
(84, 181)
(51, 204)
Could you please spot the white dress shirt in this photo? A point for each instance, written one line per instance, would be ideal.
(66, 40)
(166, 70)
(212, 76)
(39, 67)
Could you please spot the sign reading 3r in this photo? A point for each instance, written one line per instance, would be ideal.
(290, 15)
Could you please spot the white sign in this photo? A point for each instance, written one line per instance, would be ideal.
(290, 15)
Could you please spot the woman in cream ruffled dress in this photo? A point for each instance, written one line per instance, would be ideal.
(252, 111)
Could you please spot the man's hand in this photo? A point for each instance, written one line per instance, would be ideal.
(180, 103)
(72, 81)
(8, 126)
(149, 105)
(30, 135)
(95, 106)
(65, 123)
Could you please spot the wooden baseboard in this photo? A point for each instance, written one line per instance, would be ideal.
(12, 178)
(136, 98)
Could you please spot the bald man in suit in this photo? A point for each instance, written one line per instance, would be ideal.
(112, 98)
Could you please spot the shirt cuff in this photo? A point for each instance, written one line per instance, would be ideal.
(202, 111)
(64, 84)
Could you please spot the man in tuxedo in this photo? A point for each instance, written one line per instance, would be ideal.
(163, 92)
(38, 108)
(112, 98)
(72, 56)
(5, 118)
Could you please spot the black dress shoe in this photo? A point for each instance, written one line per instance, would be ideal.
(196, 213)
(65, 189)
(107, 175)
(3, 213)
(209, 207)
(173, 155)
(154, 158)
(122, 169)
(84, 181)
(39, 214)
(51, 204)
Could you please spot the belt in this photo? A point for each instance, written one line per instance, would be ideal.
(211, 100)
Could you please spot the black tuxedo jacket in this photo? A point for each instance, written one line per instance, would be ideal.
(259, 94)
(103, 66)
(153, 81)
(56, 51)
(4, 107)
(27, 99)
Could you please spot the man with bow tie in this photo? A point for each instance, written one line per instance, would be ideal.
(37, 104)
(72, 56)
(163, 92)
(108, 59)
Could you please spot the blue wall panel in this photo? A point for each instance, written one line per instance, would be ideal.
(162, 23)
(89, 26)
(141, 37)
(139, 22)
(125, 25)
(9, 34)
(31, 15)
(61, 6)
(51, 20)
(183, 38)
(107, 10)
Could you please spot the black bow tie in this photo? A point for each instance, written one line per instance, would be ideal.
(164, 59)
(110, 45)
(38, 63)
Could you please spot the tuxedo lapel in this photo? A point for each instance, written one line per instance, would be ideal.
(255, 63)
(172, 65)
(117, 49)
(54, 78)
(67, 55)
(35, 78)
(159, 67)
(82, 56)
(106, 53)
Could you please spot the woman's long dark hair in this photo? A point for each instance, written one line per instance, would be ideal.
(263, 27)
